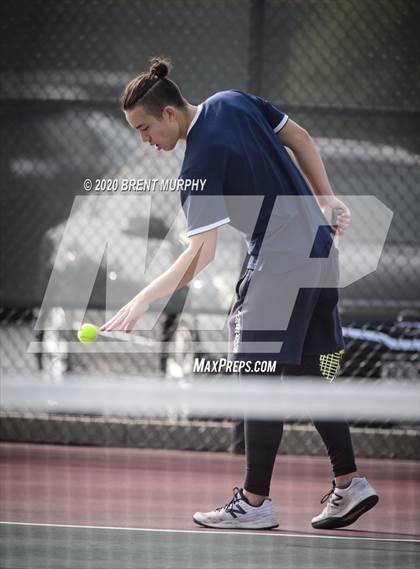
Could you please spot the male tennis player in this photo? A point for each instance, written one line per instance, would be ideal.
(242, 145)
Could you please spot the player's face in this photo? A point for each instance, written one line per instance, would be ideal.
(162, 133)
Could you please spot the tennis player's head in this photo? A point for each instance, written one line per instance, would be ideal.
(154, 106)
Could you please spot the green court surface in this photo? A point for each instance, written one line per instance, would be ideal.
(33, 546)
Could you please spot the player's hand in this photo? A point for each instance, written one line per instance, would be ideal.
(343, 220)
(127, 316)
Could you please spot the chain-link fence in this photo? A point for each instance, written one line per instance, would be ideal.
(347, 70)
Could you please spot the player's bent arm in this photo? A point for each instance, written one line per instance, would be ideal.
(307, 156)
(293, 157)
(199, 253)
(305, 153)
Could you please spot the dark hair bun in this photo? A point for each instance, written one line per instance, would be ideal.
(159, 67)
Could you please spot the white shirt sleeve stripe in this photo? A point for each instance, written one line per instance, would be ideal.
(208, 227)
(281, 124)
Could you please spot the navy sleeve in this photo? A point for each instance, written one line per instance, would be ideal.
(203, 201)
(276, 118)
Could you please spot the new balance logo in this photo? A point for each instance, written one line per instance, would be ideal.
(237, 510)
(336, 500)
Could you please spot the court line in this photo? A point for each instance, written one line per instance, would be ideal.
(213, 532)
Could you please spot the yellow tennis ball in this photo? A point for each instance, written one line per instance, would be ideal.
(87, 333)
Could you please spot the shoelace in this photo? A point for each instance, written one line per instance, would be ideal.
(236, 498)
(328, 494)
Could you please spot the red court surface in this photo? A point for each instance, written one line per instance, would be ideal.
(162, 489)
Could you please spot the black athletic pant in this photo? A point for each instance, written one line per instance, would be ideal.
(262, 440)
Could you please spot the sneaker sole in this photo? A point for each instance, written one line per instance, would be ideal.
(202, 524)
(350, 517)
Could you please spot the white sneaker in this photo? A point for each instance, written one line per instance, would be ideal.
(345, 506)
(239, 514)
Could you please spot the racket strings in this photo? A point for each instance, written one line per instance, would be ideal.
(330, 364)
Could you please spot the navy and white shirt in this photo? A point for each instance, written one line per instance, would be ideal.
(232, 143)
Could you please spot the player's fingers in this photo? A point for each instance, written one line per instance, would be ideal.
(109, 325)
(345, 220)
(115, 317)
(343, 223)
(128, 325)
(105, 326)
(115, 321)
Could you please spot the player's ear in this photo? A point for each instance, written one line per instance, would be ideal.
(169, 112)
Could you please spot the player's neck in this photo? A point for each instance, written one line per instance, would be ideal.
(186, 119)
